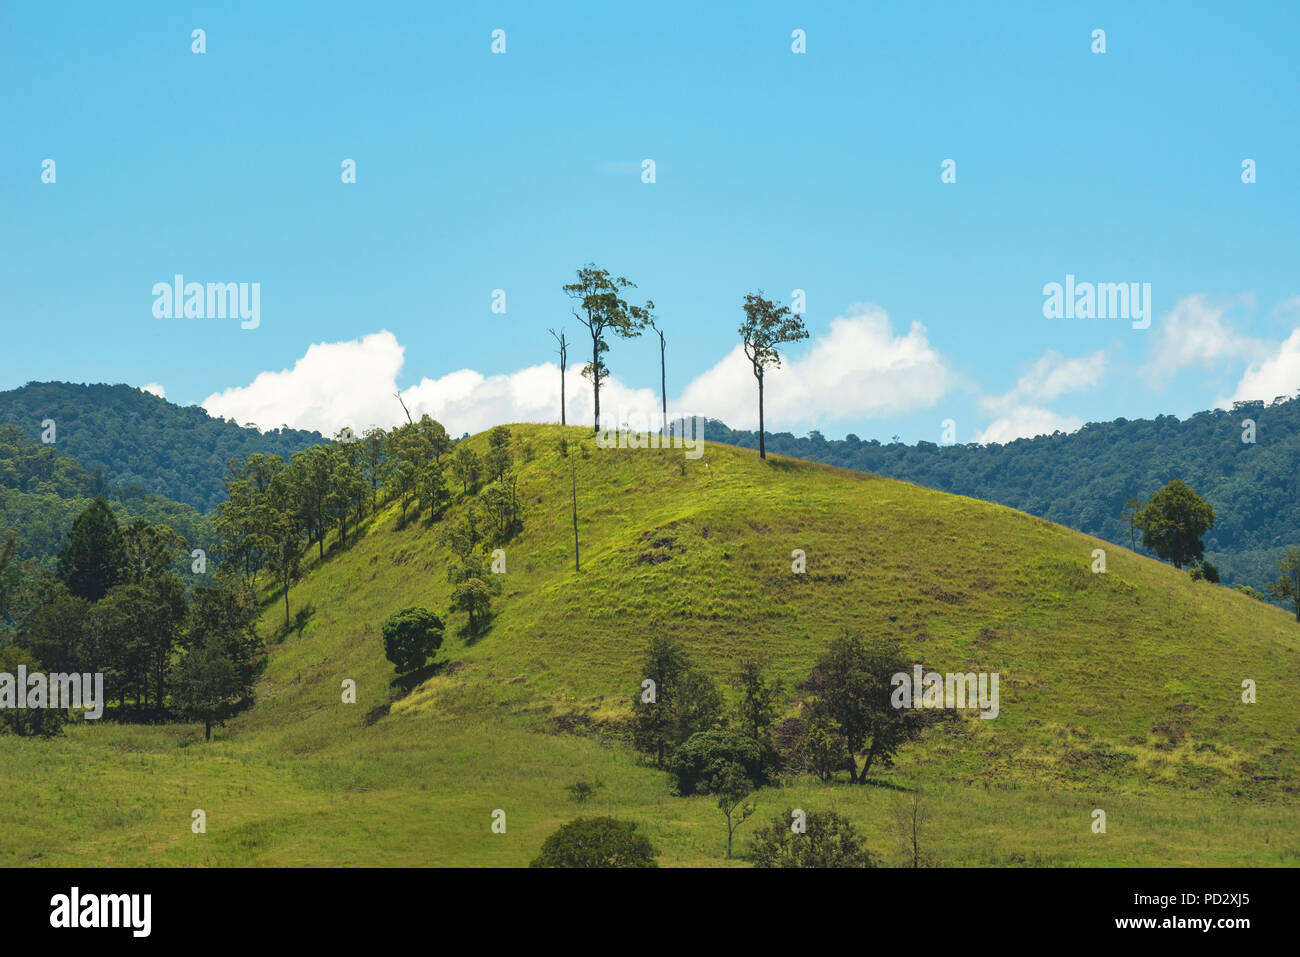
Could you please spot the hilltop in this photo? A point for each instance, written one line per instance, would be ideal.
(1119, 691)
(1083, 478)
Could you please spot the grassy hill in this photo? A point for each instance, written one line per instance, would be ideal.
(1119, 691)
(1082, 479)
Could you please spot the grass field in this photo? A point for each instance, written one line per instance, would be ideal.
(1119, 691)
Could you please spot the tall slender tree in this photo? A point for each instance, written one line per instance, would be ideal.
(603, 310)
(564, 363)
(766, 326)
(663, 378)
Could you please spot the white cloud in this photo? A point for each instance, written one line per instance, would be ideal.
(334, 384)
(1194, 333)
(860, 369)
(353, 383)
(1019, 412)
(1276, 375)
(1024, 422)
(153, 388)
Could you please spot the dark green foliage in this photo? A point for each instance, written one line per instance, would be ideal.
(597, 842)
(499, 458)
(139, 440)
(706, 754)
(1174, 521)
(850, 688)
(28, 722)
(473, 597)
(757, 707)
(829, 840)
(1285, 588)
(411, 637)
(680, 702)
(94, 560)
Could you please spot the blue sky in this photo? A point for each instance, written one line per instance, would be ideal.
(774, 170)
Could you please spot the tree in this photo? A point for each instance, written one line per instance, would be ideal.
(208, 684)
(1132, 506)
(372, 445)
(94, 560)
(851, 684)
(596, 842)
(1287, 586)
(663, 378)
(473, 597)
(465, 464)
(54, 632)
(149, 551)
(603, 310)
(679, 701)
(910, 820)
(767, 326)
(698, 763)
(10, 577)
(573, 476)
(564, 362)
(1173, 522)
(411, 637)
(27, 722)
(757, 707)
(283, 535)
(498, 458)
(732, 786)
(827, 839)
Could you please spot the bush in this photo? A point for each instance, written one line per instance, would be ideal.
(707, 753)
(411, 637)
(829, 840)
(597, 842)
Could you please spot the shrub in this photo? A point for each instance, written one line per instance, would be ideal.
(706, 754)
(828, 840)
(411, 637)
(597, 842)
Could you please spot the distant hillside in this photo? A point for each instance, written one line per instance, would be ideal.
(42, 493)
(1081, 480)
(139, 440)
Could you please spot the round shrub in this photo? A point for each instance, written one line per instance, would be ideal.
(411, 637)
(597, 842)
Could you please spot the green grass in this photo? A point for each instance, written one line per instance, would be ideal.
(1119, 691)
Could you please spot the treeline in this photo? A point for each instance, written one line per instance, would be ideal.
(1082, 480)
(276, 511)
(142, 444)
(114, 606)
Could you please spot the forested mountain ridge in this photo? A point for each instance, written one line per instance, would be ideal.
(1082, 480)
(42, 493)
(142, 444)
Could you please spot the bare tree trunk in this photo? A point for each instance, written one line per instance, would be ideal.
(762, 446)
(574, 473)
(595, 380)
(663, 390)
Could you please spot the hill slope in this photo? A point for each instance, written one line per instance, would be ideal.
(1082, 479)
(1119, 691)
(137, 439)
